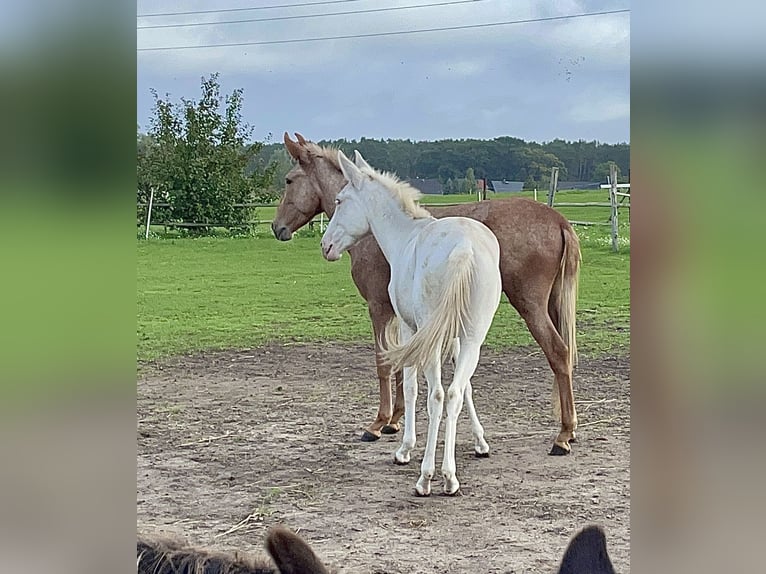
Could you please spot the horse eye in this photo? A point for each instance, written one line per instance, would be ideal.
(337, 201)
(288, 181)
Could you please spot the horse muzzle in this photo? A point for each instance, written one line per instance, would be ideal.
(281, 232)
(330, 252)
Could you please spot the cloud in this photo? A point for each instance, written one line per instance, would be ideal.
(534, 81)
(601, 107)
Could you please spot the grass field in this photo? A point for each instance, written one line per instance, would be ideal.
(219, 292)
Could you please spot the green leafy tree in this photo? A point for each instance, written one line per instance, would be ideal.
(602, 171)
(199, 158)
(470, 181)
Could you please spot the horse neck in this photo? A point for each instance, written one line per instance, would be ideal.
(390, 225)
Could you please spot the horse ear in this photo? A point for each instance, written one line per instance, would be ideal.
(291, 554)
(350, 171)
(296, 150)
(359, 161)
(587, 553)
(300, 138)
(292, 147)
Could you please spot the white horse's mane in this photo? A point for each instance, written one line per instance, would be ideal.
(402, 191)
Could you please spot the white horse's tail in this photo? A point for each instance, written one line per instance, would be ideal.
(443, 327)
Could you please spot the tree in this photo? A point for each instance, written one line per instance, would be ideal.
(198, 158)
(470, 181)
(602, 171)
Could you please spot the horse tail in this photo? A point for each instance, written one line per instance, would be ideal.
(565, 302)
(443, 326)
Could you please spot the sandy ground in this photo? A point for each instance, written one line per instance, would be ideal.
(231, 443)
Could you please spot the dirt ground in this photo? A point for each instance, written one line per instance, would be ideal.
(231, 443)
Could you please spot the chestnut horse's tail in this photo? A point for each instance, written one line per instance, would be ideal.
(443, 327)
(564, 302)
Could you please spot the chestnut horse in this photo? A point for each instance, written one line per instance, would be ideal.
(539, 266)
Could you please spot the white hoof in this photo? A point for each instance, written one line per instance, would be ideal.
(401, 458)
(481, 448)
(451, 485)
(423, 487)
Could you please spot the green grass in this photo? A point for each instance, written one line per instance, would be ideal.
(216, 292)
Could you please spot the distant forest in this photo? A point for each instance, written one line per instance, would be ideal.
(507, 158)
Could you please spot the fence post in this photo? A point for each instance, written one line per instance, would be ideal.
(553, 186)
(613, 201)
(321, 222)
(149, 212)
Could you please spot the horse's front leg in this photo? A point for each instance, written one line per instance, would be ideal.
(393, 426)
(435, 406)
(380, 314)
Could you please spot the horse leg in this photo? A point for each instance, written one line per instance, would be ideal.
(464, 369)
(402, 455)
(433, 375)
(541, 326)
(393, 426)
(480, 446)
(380, 314)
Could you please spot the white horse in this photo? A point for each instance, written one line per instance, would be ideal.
(445, 288)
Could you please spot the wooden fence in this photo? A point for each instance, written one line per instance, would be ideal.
(617, 199)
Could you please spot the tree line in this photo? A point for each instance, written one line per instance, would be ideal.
(502, 158)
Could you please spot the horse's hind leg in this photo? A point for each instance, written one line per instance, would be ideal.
(541, 326)
(402, 455)
(460, 388)
(433, 373)
(410, 375)
(480, 446)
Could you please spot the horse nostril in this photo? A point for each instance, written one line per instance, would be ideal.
(281, 232)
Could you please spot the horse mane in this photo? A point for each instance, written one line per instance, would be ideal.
(165, 555)
(323, 152)
(402, 191)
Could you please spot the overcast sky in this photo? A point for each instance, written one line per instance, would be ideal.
(538, 81)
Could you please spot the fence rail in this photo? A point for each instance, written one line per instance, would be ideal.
(614, 205)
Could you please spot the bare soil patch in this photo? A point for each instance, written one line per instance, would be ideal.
(231, 443)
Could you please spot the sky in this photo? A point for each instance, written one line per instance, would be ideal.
(567, 79)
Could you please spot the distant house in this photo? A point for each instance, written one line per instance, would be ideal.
(427, 186)
(577, 185)
(503, 186)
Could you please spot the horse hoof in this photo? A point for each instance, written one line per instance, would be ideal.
(388, 429)
(481, 454)
(369, 437)
(400, 463)
(423, 494)
(558, 450)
